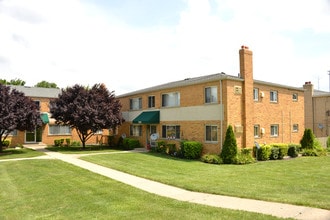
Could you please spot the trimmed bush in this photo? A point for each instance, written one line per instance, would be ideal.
(68, 141)
(293, 150)
(263, 153)
(5, 143)
(274, 153)
(282, 150)
(229, 149)
(130, 143)
(244, 157)
(211, 158)
(191, 149)
(307, 141)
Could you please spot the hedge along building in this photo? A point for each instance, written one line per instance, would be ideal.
(202, 108)
(49, 131)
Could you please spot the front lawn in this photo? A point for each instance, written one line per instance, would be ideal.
(11, 153)
(80, 150)
(301, 181)
(52, 189)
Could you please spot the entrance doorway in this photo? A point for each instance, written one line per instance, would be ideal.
(151, 129)
(33, 136)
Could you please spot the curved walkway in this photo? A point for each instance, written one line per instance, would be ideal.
(269, 208)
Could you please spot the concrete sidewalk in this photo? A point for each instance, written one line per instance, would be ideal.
(270, 208)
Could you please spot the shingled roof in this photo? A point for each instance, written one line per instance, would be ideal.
(37, 91)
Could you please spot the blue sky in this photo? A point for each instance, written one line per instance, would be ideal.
(134, 44)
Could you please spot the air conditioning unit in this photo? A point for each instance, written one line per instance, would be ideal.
(262, 94)
(262, 130)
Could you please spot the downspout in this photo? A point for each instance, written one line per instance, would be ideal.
(222, 113)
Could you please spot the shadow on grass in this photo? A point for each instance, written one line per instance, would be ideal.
(80, 148)
(12, 151)
(169, 157)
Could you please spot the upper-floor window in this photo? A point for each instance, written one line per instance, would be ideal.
(211, 133)
(255, 94)
(59, 129)
(135, 103)
(274, 130)
(171, 131)
(295, 97)
(273, 96)
(211, 94)
(171, 99)
(151, 101)
(256, 130)
(135, 130)
(295, 128)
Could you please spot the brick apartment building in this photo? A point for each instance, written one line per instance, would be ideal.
(49, 131)
(202, 108)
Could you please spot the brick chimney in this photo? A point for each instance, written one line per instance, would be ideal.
(308, 105)
(246, 73)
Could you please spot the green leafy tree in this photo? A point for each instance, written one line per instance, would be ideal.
(307, 141)
(87, 110)
(45, 84)
(229, 149)
(16, 112)
(16, 82)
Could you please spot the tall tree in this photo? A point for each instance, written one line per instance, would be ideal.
(87, 110)
(16, 112)
(229, 148)
(45, 84)
(16, 82)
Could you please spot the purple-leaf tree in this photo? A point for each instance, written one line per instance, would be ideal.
(17, 112)
(87, 110)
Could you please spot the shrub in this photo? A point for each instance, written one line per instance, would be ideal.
(171, 149)
(282, 150)
(5, 143)
(57, 142)
(75, 143)
(274, 153)
(328, 143)
(191, 149)
(68, 141)
(229, 149)
(160, 147)
(244, 157)
(263, 153)
(307, 141)
(293, 150)
(130, 143)
(211, 158)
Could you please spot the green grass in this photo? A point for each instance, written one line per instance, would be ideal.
(80, 150)
(11, 153)
(52, 189)
(301, 181)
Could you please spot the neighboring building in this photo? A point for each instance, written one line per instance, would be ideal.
(202, 108)
(317, 111)
(49, 131)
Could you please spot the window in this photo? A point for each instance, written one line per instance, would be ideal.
(273, 96)
(12, 133)
(171, 131)
(151, 101)
(211, 133)
(37, 102)
(135, 130)
(295, 97)
(211, 94)
(274, 130)
(99, 131)
(171, 99)
(256, 130)
(59, 129)
(135, 103)
(255, 94)
(295, 128)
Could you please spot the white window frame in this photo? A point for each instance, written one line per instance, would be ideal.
(211, 94)
(255, 94)
(171, 99)
(151, 101)
(295, 128)
(256, 131)
(169, 133)
(59, 130)
(135, 130)
(274, 130)
(273, 96)
(295, 97)
(211, 133)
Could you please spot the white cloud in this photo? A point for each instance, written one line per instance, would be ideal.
(70, 42)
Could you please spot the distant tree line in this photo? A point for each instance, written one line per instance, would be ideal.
(19, 82)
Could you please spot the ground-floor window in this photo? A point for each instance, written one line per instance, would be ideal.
(295, 128)
(274, 130)
(256, 129)
(171, 131)
(59, 130)
(135, 130)
(211, 133)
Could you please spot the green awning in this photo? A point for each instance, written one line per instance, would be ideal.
(150, 117)
(44, 118)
